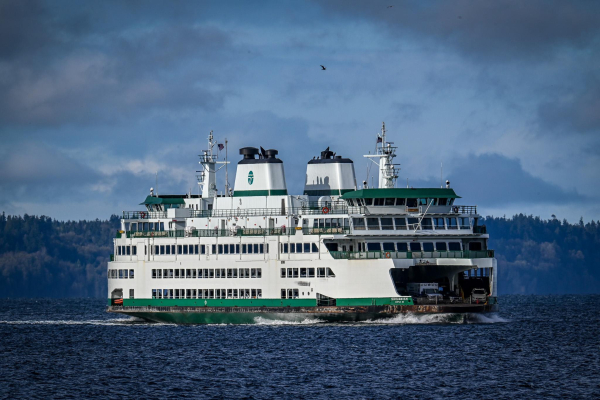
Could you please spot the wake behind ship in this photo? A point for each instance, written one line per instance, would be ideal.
(334, 253)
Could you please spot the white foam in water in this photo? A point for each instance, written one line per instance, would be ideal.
(415, 319)
(306, 321)
(114, 321)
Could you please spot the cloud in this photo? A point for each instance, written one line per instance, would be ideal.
(493, 180)
(576, 111)
(503, 30)
(39, 165)
(77, 73)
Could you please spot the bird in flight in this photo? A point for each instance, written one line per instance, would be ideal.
(390, 6)
(323, 68)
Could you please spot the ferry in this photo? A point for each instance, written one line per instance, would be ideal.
(337, 252)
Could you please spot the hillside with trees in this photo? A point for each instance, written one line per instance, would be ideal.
(42, 257)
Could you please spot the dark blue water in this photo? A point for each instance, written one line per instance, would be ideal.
(535, 347)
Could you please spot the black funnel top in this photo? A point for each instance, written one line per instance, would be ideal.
(248, 152)
(271, 153)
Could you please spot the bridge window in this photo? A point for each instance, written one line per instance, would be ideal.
(373, 224)
(441, 246)
(368, 202)
(428, 246)
(454, 246)
(359, 224)
(402, 246)
(373, 246)
(400, 202)
(400, 223)
(452, 223)
(438, 223)
(315, 249)
(442, 202)
(426, 224)
(387, 224)
(390, 202)
(464, 222)
(413, 223)
(412, 203)
(473, 246)
(378, 202)
(415, 246)
(388, 246)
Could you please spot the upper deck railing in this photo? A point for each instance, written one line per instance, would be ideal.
(370, 255)
(235, 232)
(335, 208)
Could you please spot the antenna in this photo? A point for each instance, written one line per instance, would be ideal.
(226, 173)
(156, 183)
(441, 174)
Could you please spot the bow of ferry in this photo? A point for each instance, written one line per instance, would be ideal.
(336, 252)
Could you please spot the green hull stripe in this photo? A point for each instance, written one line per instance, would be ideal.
(250, 193)
(374, 301)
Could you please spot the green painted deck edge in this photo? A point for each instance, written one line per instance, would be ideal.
(376, 301)
(402, 193)
(251, 193)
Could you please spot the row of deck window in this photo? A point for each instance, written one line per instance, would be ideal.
(289, 293)
(121, 274)
(206, 293)
(390, 224)
(257, 248)
(421, 246)
(127, 250)
(206, 273)
(401, 202)
(144, 226)
(306, 273)
(179, 249)
(299, 248)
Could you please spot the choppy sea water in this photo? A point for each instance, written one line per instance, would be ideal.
(535, 347)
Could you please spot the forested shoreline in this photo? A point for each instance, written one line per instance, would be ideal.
(42, 257)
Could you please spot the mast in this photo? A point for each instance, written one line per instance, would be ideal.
(207, 179)
(388, 171)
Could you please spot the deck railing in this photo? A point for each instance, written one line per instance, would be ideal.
(235, 232)
(371, 255)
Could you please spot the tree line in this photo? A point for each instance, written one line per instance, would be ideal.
(42, 257)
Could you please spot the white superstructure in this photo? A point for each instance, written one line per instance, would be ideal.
(332, 245)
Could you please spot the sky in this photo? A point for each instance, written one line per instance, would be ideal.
(103, 100)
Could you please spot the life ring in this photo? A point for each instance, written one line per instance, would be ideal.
(455, 209)
(151, 233)
(143, 215)
(387, 255)
(325, 210)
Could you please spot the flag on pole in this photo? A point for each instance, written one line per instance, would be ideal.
(220, 146)
(379, 139)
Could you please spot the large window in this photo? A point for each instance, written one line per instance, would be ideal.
(454, 246)
(400, 223)
(442, 202)
(402, 246)
(400, 202)
(426, 224)
(415, 246)
(387, 224)
(359, 224)
(412, 203)
(413, 223)
(373, 224)
(441, 246)
(390, 202)
(438, 223)
(428, 246)
(452, 224)
(373, 246)
(388, 246)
